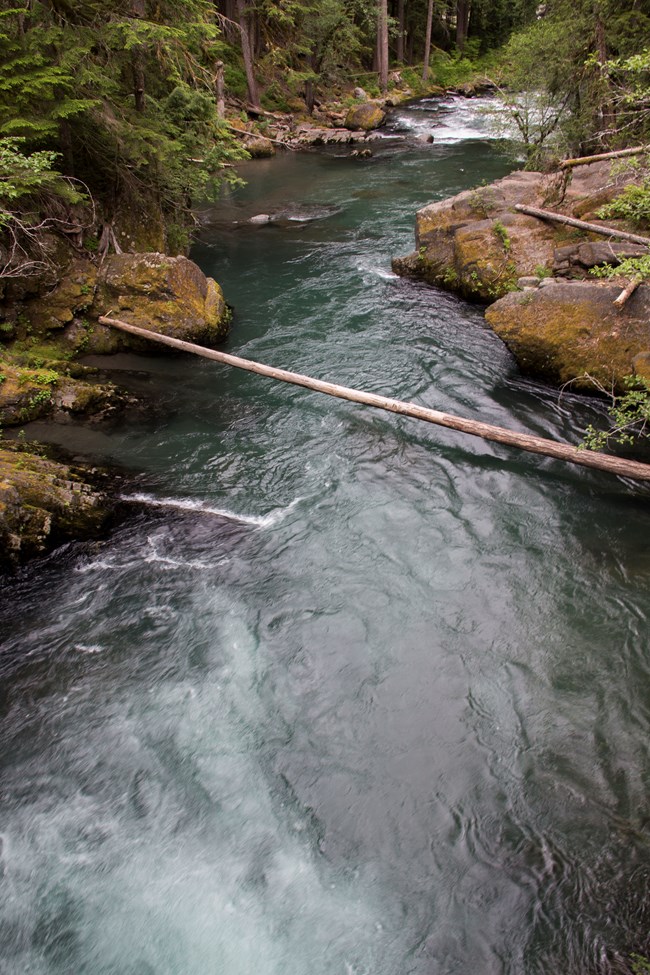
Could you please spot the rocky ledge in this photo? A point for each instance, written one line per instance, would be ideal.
(42, 504)
(556, 318)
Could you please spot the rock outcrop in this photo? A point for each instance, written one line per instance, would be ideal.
(165, 294)
(42, 504)
(556, 318)
(39, 377)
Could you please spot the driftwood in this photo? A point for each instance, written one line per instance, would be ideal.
(257, 135)
(585, 160)
(593, 228)
(536, 445)
(627, 291)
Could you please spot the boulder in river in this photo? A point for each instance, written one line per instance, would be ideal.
(565, 330)
(474, 245)
(365, 116)
(170, 295)
(260, 148)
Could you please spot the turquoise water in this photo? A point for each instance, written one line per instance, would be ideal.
(347, 694)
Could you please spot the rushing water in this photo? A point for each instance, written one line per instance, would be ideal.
(349, 695)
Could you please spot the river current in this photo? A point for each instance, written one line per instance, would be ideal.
(346, 694)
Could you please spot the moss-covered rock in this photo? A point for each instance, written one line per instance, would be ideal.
(260, 148)
(170, 295)
(72, 296)
(563, 331)
(28, 394)
(43, 503)
(366, 116)
(476, 245)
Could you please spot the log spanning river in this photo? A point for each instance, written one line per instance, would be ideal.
(348, 694)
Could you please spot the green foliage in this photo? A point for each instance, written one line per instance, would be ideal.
(482, 201)
(118, 94)
(27, 175)
(631, 267)
(502, 235)
(632, 204)
(630, 418)
(640, 964)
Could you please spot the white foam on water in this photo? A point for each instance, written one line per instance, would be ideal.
(379, 272)
(200, 507)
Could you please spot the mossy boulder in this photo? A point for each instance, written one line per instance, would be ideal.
(42, 504)
(170, 295)
(365, 116)
(31, 394)
(260, 148)
(139, 226)
(562, 332)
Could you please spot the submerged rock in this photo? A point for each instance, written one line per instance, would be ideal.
(366, 116)
(42, 504)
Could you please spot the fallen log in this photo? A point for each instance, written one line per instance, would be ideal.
(585, 160)
(627, 291)
(594, 228)
(536, 445)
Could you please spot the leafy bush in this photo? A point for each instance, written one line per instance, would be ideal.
(630, 416)
(632, 204)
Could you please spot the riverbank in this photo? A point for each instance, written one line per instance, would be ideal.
(50, 320)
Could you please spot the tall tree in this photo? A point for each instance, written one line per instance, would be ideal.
(401, 25)
(382, 43)
(462, 22)
(427, 41)
(247, 54)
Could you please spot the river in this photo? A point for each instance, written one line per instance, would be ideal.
(349, 694)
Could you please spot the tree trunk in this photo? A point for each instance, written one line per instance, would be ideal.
(427, 41)
(382, 43)
(462, 23)
(607, 120)
(400, 32)
(138, 79)
(253, 95)
(67, 152)
(627, 291)
(219, 89)
(581, 224)
(138, 12)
